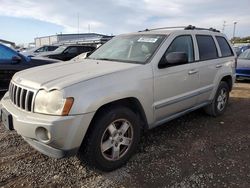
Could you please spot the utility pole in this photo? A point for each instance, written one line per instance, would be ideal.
(234, 30)
(78, 23)
(223, 26)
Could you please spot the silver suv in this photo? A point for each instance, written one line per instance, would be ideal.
(97, 108)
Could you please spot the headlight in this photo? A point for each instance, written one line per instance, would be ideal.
(52, 102)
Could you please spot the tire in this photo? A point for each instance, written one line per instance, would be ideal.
(220, 101)
(113, 138)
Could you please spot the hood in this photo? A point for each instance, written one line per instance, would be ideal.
(61, 75)
(243, 63)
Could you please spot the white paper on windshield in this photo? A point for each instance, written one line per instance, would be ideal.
(146, 39)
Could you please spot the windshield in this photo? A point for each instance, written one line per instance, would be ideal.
(60, 49)
(130, 48)
(245, 55)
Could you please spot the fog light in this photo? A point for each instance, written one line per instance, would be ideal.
(43, 134)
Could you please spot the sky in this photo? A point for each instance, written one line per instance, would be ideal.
(23, 20)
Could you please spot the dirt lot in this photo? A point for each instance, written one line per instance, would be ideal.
(192, 151)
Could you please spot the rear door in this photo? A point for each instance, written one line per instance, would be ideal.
(211, 64)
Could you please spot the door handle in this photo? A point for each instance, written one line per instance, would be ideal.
(218, 66)
(192, 71)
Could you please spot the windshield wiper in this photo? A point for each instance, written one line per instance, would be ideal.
(105, 59)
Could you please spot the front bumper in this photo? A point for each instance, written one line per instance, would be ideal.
(65, 132)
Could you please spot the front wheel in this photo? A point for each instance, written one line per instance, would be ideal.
(113, 139)
(220, 101)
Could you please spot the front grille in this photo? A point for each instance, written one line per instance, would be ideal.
(21, 97)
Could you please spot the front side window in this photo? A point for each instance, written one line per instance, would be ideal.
(207, 47)
(42, 49)
(6, 53)
(136, 48)
(182, 44)
(224, 47)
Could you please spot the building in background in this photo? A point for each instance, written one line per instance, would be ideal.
(71, 38)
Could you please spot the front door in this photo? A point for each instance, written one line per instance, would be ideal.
(176, 86)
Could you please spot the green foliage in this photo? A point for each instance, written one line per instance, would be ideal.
(241, 40)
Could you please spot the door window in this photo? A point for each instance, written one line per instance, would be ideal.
(184, 44)
(207, 47)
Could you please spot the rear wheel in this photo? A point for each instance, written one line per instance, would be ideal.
(113, 139)
(220, 101)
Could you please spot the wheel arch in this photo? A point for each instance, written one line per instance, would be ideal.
(229, 80)
(129, 102)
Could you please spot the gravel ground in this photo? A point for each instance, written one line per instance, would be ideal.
(192, 151)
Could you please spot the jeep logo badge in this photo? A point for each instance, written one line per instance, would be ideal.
(18, 80)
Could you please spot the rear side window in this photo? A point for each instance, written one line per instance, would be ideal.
(224, 47)
(207, 47)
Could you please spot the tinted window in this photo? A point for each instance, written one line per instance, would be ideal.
(72, 50)
(52, 48)
(6, 53)
(87, 48)
(182, 44)
(224, 47)
(207, 48)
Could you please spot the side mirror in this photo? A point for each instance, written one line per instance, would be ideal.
(176, 58)
(16, 59)
(173, 58)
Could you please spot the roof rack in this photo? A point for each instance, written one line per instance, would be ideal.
(189, 27)
(162, 28)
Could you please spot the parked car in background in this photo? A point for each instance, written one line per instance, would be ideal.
(12, 62)
(67, 52)
(82, 56)
(243, 65)
(39, 50)
(237, 50)
(244, 48)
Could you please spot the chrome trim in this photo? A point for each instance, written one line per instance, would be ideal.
(22, 97)
(176, 115)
